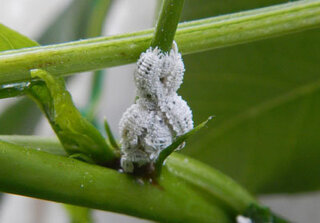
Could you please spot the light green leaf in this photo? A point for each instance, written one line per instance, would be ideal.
(10, 39)
(111, 139)
(82, 18)
(177, 142)
(76, 133)
(265, 96)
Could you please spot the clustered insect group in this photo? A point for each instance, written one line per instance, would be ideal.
(159, 114)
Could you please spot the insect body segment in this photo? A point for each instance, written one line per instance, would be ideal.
(160, 114)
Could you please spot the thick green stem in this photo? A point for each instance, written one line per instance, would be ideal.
(191, 37)
(187, 191)
(167, 24)
(111, 139)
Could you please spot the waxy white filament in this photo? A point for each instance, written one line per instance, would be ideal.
(242, 219)
(159, 114)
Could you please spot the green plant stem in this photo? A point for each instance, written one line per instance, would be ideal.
(78, 214)
(212, 183)
(50, 145)
(163, 37)
(71, 181)
(191, 37)
(187, 191)
(167, 24)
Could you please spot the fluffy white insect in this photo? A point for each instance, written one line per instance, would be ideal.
(242, 219)
(160, 114)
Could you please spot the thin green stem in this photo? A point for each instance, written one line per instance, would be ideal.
(167, 24)
(71, 181)
(111, 139)
(191, 37)
(95, 95)
(97, 17)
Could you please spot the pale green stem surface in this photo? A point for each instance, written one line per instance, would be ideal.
(196, 36)
(187, 190)
(78, 214)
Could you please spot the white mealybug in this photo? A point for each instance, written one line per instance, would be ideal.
(242, 219)
(160, 114)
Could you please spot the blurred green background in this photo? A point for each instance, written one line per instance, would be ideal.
(265, 96)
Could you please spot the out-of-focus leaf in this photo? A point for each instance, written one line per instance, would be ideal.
(266, 98)
(81, 19)
(73, 22)
(10, 39)
(19, 118)
(94, 28)
(261, 214)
